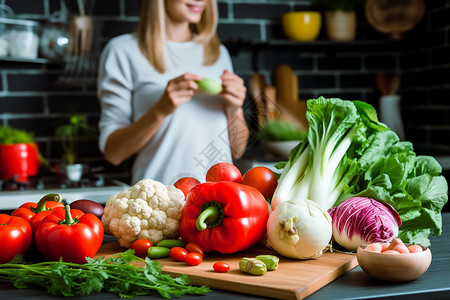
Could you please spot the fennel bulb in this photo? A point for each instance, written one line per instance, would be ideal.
(299, 229)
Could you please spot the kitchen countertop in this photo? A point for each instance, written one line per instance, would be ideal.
(11, 199)
(355, 284)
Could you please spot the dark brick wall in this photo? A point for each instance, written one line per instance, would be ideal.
(32, 99)
(426, 82)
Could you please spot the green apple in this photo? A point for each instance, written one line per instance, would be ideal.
(210, 86)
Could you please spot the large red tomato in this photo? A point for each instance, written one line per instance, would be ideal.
(224, 172)
(185, 184)
(263, 179)
(15, 237)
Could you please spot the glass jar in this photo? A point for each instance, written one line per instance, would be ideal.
(21, 38)
(5, 12)
(4, 44)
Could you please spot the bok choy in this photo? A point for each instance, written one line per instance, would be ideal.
(317, 165)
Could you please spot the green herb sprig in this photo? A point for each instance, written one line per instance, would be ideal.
(115, 274)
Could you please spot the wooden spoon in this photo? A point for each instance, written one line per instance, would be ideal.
(270, 99)
(287, 90)
(388, 84)
(287, 84)
(257, 85)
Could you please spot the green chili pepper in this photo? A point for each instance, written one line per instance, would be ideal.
(170, 243)
(158, 252)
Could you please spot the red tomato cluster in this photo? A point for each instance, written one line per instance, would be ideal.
(261, 178)
(192, 254)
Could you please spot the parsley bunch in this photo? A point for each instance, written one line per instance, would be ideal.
(115, 274)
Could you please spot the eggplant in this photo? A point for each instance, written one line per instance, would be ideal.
(88, 206)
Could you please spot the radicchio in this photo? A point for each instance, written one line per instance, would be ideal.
(359, 220)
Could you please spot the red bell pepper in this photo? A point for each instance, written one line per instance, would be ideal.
(224, 216)
(34, 212)
(15, 237)
(69, 234)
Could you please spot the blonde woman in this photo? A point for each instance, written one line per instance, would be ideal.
(151, 105)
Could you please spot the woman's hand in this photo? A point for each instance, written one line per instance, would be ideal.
(233, 91)
(179, 90)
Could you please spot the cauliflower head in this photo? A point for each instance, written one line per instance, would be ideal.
(147, 210)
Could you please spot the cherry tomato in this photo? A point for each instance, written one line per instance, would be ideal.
(141, 246)
(224, 172)
(178, 253)
(194, 248)
(193, 259)
(185, 184)
(221, 267)
(263, 179)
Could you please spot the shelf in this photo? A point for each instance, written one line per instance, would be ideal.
(331, 43)
(325, 46)
(27, 60)
(372, 45)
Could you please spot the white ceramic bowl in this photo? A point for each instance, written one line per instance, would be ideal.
(392, 266)
(282, 148)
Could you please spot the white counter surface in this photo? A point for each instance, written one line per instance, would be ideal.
(10, 200)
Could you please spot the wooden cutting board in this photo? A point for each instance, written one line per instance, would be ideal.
(294, 279)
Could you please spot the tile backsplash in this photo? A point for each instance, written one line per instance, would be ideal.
(32, 98)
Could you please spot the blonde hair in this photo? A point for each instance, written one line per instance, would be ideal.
(151, 32)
